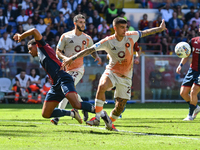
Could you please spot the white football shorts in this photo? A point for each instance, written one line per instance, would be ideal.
(122, 84)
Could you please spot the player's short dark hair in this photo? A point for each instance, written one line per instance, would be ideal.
(79, 16)
(32, 42)
(119, 20)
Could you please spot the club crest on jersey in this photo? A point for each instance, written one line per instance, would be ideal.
(77, 48)
(121, 54)
(83, 42)
(127, 45)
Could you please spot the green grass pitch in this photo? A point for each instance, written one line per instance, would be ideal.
(150, 126)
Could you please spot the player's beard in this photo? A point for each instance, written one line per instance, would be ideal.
(79, 28)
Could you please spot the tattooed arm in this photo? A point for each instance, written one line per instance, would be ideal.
(82, 53)
(151, 31)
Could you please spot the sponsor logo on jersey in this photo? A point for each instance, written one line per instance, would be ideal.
(113, 48)
(195, 42)
(83, 42)
(77, 48)
(127, 45)
(97, 45)
(71, 41)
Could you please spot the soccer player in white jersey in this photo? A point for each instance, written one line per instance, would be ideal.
(71, 43)
(118, 72)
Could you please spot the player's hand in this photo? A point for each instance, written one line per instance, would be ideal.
(162, 25)
(99, 60)
(17, 37)
(178, 69)
(66, 61)
(136, 61)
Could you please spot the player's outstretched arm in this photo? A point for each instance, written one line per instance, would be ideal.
(151, 31)
(34, 32)
(82, 53)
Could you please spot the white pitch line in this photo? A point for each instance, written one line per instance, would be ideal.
(137, 133)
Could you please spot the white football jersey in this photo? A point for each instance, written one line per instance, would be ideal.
(24, 81)
(120, 52)
(71, 44)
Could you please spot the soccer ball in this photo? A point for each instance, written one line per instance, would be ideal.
(182, 49)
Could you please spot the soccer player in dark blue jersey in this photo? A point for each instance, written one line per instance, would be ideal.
(191, 82)
(63, 84)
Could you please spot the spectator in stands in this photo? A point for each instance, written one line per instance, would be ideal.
(184, 33)
(130, 28)
(155, 79)
(70, 22)
(78, 10)
(72, 4)
(49, 19)
(111, 13)
(54, 11)
(84, 5)
(122, 14)
(175, 25)
(22, 48)
(4, 61)
(40, 7)
(41, 27)
(180, 14)
(48, 35)
(46, 87)
(22, 19)
(35, 84)
(143, 24)
(96, 19)
(166, 13)
(193, 27)
(10, 14)
(101, 5)
(25, 4)
(36, 17)
(22, 86)
(13, 4)
(65, 10)
(10, 31)
(60, 20)
(103, 27)
(89, 10)
(190, 14)
(20, 29)
(95, 35)
(61, 31)
(30, 11)
(6, 43)
(156, 23)
(165, 45)
(196, 18)
(48, 6)
(3, 21)
(28, 25)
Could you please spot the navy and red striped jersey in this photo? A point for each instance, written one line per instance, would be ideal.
(195, 50)
(48, 59)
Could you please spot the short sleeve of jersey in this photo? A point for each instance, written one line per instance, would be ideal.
(41, 43)
(101, 45)
(62, 42)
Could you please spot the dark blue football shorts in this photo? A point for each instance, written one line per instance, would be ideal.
(63, 84)
(191, 77)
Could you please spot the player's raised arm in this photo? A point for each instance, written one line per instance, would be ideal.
(82, 53)
(151, 31)
(34, 32)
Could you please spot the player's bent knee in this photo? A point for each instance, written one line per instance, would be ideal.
(46, 115)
